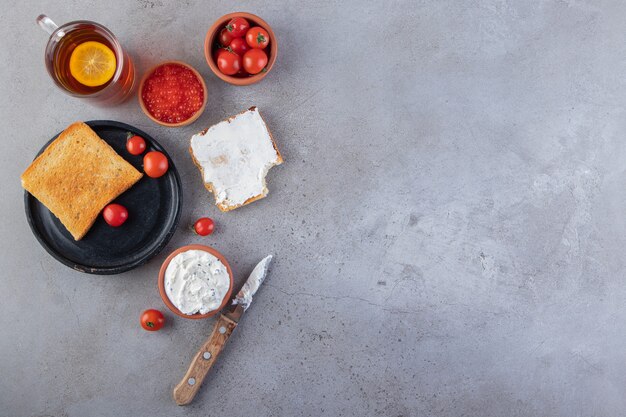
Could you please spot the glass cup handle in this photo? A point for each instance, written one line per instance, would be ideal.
(46, 23)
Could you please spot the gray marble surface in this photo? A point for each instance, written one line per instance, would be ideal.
(448, 227)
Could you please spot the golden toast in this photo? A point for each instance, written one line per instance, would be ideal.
(77, 176)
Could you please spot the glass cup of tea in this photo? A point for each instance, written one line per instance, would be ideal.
(86, 60)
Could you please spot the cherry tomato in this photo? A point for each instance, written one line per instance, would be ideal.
(152, 320)
(257, 37)
(254, 60)
(228, 62)
(239, 46)
(135, 145)
(115, 215)
(204, 226)
(225, 37)
(155, 164)
(238, 26)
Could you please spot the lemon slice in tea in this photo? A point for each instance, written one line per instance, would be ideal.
(92, 63)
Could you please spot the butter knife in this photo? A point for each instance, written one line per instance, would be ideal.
(187, 388)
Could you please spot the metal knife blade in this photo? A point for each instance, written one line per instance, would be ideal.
(256, 278)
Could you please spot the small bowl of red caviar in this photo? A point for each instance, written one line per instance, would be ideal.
(172, 94)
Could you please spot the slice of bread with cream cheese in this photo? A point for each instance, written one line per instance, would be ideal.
(234, 156)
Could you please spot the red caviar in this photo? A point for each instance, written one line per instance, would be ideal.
(172, 93)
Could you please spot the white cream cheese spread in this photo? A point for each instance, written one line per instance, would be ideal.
(196, 282)
(235, 156)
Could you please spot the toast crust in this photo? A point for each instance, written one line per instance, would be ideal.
(76, 176)
(209, 186)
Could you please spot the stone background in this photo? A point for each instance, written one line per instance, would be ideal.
(448, 227)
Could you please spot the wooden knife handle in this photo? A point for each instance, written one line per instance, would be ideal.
(186, 389)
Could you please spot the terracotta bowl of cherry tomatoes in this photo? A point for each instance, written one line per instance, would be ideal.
(172, 94)
(240, 48)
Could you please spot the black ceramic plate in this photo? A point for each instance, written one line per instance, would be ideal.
(154, 207)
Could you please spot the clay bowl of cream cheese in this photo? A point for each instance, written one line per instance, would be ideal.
(195, 282)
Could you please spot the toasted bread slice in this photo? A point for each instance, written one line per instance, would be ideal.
(76, 176)
(234, 156)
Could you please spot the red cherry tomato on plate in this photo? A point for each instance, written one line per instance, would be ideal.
(238, 26)
(257, 37)
(254, 60)
(155, 164)
(239, 46)
(204, 226)
(135, 145)
(228, 62)
(152, 320)
(225, 37)
(115, 215)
